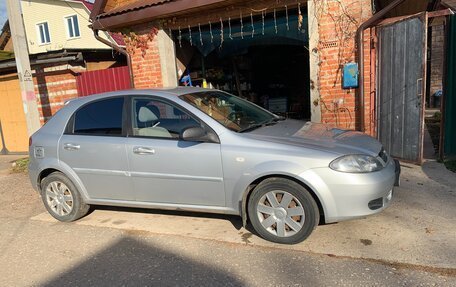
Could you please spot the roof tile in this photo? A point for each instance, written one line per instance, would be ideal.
(136, 5)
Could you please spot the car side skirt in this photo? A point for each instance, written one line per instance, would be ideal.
(165, 206)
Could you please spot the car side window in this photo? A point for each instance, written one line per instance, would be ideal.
(102, 117)
(157, 119)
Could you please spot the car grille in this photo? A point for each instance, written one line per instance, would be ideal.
(383, 155)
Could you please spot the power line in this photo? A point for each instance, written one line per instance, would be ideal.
(68, 4)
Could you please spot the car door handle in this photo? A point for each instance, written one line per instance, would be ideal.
(143, 150)
(71, 146)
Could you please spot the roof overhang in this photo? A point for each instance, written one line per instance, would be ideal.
(173, 14)
(142, 11)
(408, 7)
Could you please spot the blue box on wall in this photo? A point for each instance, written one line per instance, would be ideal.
(350, 76)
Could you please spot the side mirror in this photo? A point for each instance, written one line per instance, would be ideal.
(196, 134)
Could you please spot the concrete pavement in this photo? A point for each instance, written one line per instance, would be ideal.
(419, 228)
(411, 243)
(47, 254)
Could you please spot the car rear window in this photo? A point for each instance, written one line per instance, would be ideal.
(100, 118)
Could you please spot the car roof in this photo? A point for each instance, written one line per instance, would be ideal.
(163, 92)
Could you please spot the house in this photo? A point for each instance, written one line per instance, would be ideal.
(6, 45)
(301, 59)
(65, 57)
(61, 25)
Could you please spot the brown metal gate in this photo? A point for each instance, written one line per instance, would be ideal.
(401, 86)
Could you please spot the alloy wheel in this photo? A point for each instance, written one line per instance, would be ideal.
(280, 213)
(59, 198)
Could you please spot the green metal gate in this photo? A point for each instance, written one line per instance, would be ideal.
(449, 124)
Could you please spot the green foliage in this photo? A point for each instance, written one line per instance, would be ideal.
(451, 165)
(438, 116)
(21, 165)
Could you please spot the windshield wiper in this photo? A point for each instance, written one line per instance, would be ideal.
(270, 122)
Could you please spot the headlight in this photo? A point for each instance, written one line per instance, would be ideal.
(356, 163)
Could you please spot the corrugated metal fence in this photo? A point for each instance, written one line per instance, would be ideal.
(107, 80)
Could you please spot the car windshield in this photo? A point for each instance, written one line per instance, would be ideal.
(232, 112)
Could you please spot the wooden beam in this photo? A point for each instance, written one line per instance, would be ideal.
(396, 19)
(440, 13)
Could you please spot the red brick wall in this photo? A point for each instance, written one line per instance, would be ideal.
(52, 89)
(338, 22)
(145, 59)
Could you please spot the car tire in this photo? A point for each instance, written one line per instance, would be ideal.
(290, 218)
(61, 198)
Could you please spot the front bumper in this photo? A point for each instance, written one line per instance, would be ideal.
(347, 196)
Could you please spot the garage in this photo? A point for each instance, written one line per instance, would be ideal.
(262, 58)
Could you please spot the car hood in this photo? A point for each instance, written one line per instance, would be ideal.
(318, 136)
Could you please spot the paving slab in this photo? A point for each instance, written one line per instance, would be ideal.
(419, 227)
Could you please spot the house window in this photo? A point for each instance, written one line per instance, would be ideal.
(43, 33)
(73, 26)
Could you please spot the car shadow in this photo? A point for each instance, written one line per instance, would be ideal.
(129, 262)
(236, 221)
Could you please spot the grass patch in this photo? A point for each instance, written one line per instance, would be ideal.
(21, 165)
(451, 165)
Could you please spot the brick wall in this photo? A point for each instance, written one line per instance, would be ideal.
(338, 21)
(437, 57)
(56, 83)
(53, 86)
(145, 58)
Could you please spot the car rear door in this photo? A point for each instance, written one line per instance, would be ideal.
(165, 169)
(94, 147)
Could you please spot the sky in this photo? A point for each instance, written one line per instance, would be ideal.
(3, 15)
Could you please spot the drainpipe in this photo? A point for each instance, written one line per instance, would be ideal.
(120, 50)
(359, 43)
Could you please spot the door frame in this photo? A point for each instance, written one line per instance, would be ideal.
(390, 21)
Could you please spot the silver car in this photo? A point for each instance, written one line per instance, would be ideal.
(208, 151)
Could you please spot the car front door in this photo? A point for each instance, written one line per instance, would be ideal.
(165, 169)
(94, 147)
